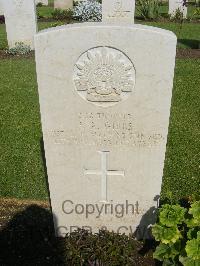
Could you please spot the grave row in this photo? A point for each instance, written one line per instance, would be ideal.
(21, 20)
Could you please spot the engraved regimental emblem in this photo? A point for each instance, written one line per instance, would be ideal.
(104, 76)
(18, 3)
(118, 10)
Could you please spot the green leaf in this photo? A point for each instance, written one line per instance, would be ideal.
(164, 251)
(166, 234)
(189, 261)
(192, 233)
(171, 215)
(192, 222)
(193, 248)
(195, 211)
(169, 262)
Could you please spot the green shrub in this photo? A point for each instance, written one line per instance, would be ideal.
(105, 248)
(149, 9)
(19, 49)
(177, 16)
(197, 3)
(178, 232)
(196, 12)
(39, 4)
(59, 14)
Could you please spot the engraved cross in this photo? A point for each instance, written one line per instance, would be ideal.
(104, 173)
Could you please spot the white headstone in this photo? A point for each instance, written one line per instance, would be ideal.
(105, 95)
(44, 2)
(175, 5)
(63, 4)
(1, 7)
(21, 24)
(118, 11)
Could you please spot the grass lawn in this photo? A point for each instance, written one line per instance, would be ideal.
(21, 168)
(45, 11)
(3, 37)
(182, 165)
(21, 165)
(188, 36)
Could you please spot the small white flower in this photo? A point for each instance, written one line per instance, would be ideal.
(89, 10)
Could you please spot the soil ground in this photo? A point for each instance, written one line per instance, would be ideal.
(180, 53)
(188, 53)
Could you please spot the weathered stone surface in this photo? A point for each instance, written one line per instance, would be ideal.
(105, 95)
(63, 4)
(21, 24)
(118, 11)
(1, 7)
(174, 5)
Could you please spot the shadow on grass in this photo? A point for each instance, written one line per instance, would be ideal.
(192, 44)
(29, 239)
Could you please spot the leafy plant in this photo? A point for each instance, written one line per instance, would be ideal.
(149, 9)
(171, 215)
(62, 14)
(166, 234)
(105, 248)
(178, 232)
(196, 12)
(197, 3)
(19, 49)
(39, 4)
(195, 212)
(177, 16)
(193, 247)
(88, 11)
